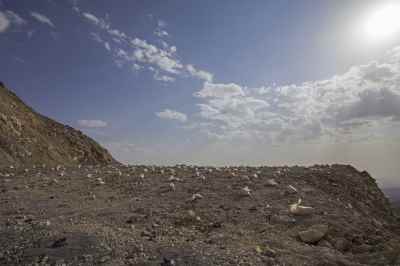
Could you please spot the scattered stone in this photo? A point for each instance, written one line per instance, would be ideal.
(266, 251)
(247, 191)
(297, 209)
(196, 196)
(59, 243)
(271, 183)
(313, 234)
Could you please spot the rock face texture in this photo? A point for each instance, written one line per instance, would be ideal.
(27, 137)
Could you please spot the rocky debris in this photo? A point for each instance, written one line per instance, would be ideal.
(313, 234)
(272, 183)
(222, 220)
(298, 209)
(28, 138)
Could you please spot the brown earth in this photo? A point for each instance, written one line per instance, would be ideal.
(186, 215)
(27, 137)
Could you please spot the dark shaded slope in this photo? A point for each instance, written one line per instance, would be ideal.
(27, 137)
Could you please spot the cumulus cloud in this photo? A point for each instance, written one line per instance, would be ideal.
(148, 53)
(42, 19)
(359, 101)
(92, 123)
(172, 115)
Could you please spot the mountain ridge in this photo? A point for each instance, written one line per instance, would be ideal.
(27, 137)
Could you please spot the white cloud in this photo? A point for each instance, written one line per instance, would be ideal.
(136, 52)
(161, 23)
(96, 21)
(161, 33)
(201, 74)
(4, 22)
(163, 78)
(15, 18)
(219, 90)
(148, 53)
(92, 123)
(107, 46)
(42, 19)
(172, 115)
(361, 101)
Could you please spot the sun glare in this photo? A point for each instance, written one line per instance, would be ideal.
(384, 23)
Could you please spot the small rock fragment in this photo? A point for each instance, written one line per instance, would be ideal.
(272, 183)
(196, 196)
(297, 209)
(313, 234)
(247, 190)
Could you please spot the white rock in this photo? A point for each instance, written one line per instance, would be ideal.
(292, 188)
(247, 190)
(298, 209)
(196, 196)
(272, 183)
(101, 181)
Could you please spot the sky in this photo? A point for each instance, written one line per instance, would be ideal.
(215, 82)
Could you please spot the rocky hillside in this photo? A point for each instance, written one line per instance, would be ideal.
(186, 215)
(27, 137)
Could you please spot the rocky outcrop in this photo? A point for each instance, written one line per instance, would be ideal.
(27, 137)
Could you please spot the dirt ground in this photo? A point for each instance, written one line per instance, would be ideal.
(187, 215)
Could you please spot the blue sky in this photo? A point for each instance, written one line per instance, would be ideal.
(212, 82)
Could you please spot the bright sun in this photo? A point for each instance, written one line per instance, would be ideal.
(384, 23)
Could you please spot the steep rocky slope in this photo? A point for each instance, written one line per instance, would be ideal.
(187, 215)
(27, 137)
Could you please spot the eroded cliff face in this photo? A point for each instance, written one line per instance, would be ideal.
(27, 137)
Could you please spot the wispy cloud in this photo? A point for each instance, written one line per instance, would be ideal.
(9, 18)
(15, 18)
(136, 52)
(92, 123)
(201, 74)
(42, 19)
(172, 115)
(160, 31)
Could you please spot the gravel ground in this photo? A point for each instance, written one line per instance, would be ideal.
(188, 215)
